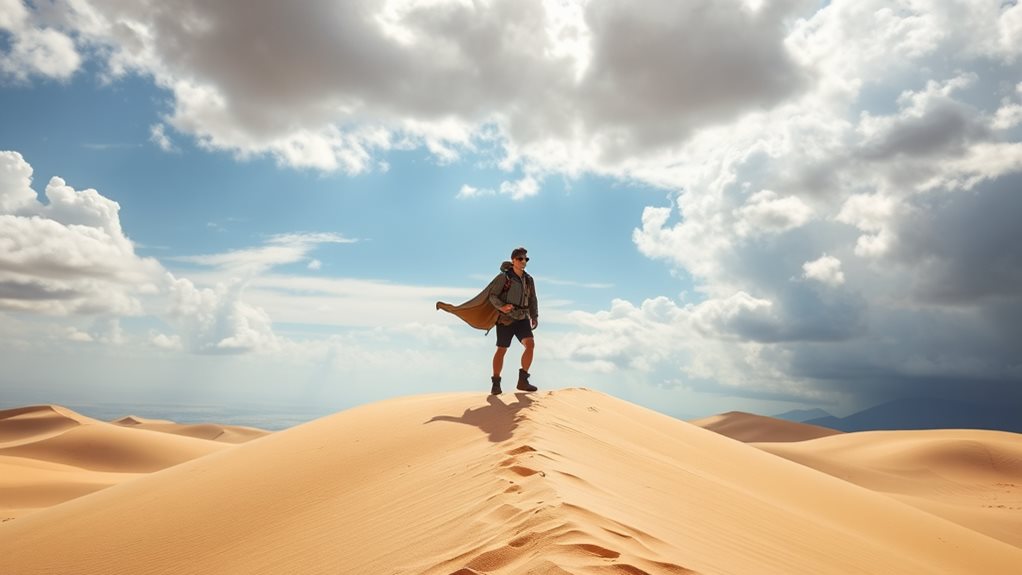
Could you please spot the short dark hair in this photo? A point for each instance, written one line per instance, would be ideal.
(519, 251)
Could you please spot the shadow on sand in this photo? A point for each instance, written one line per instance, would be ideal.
(497, 419)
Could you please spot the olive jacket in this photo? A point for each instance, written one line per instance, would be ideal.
(481, 311)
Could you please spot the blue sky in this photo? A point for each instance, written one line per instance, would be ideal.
(728, 205)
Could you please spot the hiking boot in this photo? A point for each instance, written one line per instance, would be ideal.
(523, 381)
(495, 388)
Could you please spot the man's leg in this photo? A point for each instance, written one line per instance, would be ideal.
(498, 360)
(529, 344)
(523, 373)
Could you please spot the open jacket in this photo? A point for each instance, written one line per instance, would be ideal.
(481, 311)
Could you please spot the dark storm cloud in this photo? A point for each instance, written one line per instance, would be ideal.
(656, 74)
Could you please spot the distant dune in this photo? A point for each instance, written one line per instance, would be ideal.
(749, 427)
(571, 481)
(209, 431)
(971, 477)
(50, 454)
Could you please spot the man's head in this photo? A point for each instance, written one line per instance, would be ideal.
(519, 258)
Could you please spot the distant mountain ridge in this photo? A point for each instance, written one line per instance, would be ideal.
(803, 415)
(927, 413)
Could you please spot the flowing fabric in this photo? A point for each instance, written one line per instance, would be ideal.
(477, 312)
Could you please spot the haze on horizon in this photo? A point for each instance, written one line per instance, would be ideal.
(743, 205)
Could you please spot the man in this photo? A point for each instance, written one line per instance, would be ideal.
(509, 302)
(513, 293)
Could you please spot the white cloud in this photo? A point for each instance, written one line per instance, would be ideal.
(69, 255)
(468, 191)
(557, 80)
(315, 265)
(874, 214)
(73, 334)
(883, 133)
(164, 341)
(345, 302)
(16, 193)
(766, 212)
(34, 50)
(216, 320)
(520, 189)
(739, 316)
(907, 134)
(278, 250)
(158, 136)
(826, 270)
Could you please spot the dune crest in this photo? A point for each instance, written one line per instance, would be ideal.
(207, 431)
(136, 420)
(28, 424)
(571, 481)
(749, 427)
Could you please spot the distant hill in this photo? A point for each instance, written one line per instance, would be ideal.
(752, 428)
(803, 415)
(927, 413)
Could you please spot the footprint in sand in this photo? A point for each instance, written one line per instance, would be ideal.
(525, 471)
(520, 450)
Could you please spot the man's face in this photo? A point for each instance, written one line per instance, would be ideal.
(519, 262)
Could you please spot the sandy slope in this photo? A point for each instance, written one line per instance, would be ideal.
(572, 481)
(50, 454)
(972, 477)
(751, 427)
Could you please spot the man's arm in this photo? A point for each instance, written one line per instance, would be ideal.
(533, 304)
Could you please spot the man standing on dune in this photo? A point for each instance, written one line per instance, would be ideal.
(513, 293)
(510, 303)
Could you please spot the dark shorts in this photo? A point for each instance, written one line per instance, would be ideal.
(520, 328)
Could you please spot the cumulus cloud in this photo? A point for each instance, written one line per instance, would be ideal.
(68, 255)
(216, 320)
(826, 270)
(899, 159)
(588, 84)
(34, 50)
(884, 134)
(766, 212)
(520, 189)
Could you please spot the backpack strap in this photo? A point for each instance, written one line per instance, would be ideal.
(526, 284)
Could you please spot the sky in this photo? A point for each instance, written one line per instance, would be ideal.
(728, 204)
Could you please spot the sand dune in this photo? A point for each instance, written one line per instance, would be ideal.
(571, 481)
(30, 424)
(208, 431)
(50, 454)
(972, 477)
(750, 427)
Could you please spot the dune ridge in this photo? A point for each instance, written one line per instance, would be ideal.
(750, 427)
(207, 431)
(571, 481)
(50, 454)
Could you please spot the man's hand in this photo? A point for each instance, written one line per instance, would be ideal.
(535, 323)
(506, 308)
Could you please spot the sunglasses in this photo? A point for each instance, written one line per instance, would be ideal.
(522, 259)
